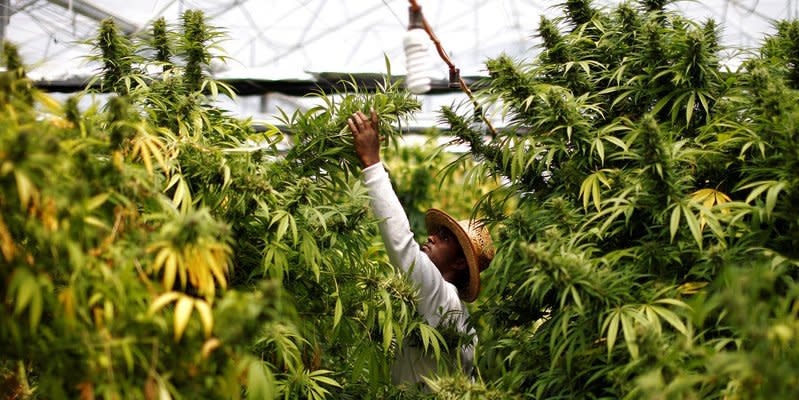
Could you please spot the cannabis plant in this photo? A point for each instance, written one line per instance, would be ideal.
(652, 252)
(150, 250)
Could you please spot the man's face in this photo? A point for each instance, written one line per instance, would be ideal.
(442, 248)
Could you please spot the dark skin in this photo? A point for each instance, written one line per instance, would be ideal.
(442, 246)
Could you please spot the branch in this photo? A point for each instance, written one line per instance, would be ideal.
(415, 7)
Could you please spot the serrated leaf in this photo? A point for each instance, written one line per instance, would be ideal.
(294, 234)
(162, 301)
(600, 148)
(52, 105)
(175, 179)
(689, 108)
(183, 310)
(585, 190)
(388, 324)
(595, 195)
(618, 142)
(127, 354)
(337, 312)
(318, 376)
(170, 270)
(691, 287)
(771, 197)
(282, 227)
(651, 317)
(25, 292)
(260, 383)
(209, 346)
(759, 188)
(433, 339)
(576, 297)
(672, 319)
(673, 302)
(95, 222)
(35, 309)
(693, 225)
(674, 224)
(97, 201)
(206, 316)
(629, 335)
(25, 189)
(613, 331)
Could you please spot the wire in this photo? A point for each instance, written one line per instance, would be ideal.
(322, 34)
(399, 20)
(751, 10)
(464, 87)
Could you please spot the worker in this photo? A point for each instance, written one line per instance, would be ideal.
(446, 267)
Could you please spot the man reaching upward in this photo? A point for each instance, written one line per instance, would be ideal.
(446, 268)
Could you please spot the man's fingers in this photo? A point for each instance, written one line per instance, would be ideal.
(374, 119)
(359, 121)
(353, 128)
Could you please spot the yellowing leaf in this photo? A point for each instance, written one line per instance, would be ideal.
(337, 313)
(162, 301)
(97, 201)
(170, 271)
(93, 221)
(206, 316)
(67, 299)
(6, 241)
(691, 287)
(182, 313)
(49, 103)
(25, 189)
(209, 346)
(709, 198)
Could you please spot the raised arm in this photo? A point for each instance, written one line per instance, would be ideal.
(402, 249)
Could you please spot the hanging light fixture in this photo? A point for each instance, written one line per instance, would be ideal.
(417, 58)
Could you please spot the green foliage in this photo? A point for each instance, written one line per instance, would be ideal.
(646, 226)
(116, 53)
(151, 251)
(161, 41)
(652, 252)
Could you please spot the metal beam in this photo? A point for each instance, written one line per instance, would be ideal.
(87, 9)
(328, 82)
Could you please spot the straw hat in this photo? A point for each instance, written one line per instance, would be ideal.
(475, 242)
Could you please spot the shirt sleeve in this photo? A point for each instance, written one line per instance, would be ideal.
(436, 295)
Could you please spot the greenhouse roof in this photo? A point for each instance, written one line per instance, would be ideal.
(279, 40)
(279, 51)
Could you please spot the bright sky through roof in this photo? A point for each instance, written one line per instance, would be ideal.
(283, 39)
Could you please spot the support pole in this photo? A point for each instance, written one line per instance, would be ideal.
(4, 14)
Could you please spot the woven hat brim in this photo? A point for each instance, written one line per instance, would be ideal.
(435, 218)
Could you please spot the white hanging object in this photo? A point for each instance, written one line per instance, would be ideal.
(417, 61)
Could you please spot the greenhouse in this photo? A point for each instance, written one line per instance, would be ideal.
(391, 199)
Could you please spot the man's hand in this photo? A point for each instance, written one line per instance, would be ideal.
(366, 137)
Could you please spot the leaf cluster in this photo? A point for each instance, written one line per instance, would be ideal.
(653, 186)
(155, 246)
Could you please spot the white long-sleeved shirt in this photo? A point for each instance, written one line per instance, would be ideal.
(437, 297)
